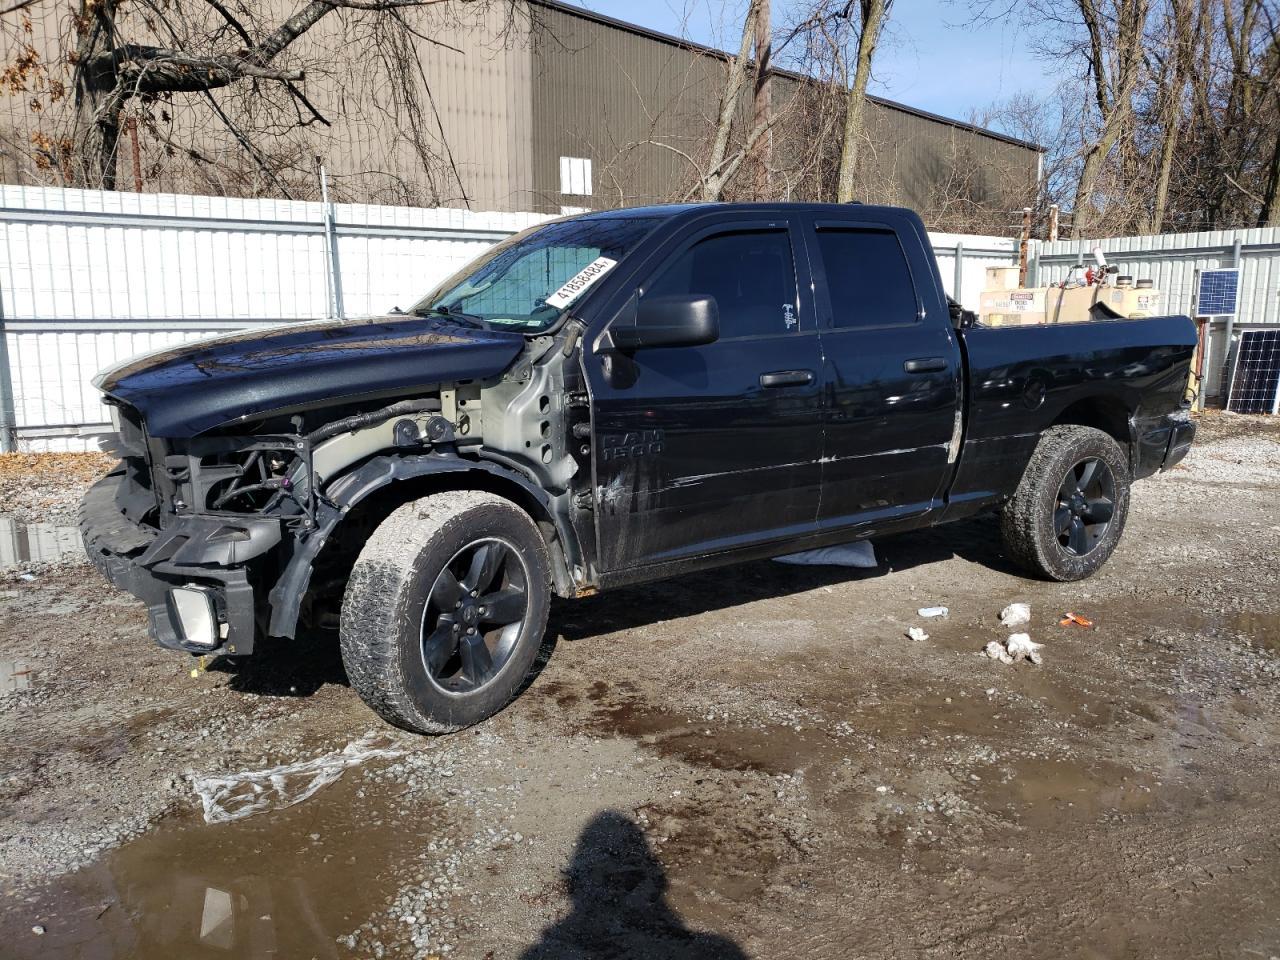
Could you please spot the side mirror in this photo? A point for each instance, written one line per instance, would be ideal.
(961, 318)
(685, 321)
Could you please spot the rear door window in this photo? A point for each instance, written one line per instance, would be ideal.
(868, 280)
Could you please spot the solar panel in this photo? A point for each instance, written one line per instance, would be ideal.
(1255, 388)
(1217, 292)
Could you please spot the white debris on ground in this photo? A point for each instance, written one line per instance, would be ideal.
(915, 633)
(1019, 646)
(235, 796)
(1016, 614)
(930, 612)
(861, 554)
(996, 651)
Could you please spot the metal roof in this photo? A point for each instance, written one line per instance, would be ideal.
(667, 38)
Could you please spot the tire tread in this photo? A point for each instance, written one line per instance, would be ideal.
(370, 636)
(1021, 519)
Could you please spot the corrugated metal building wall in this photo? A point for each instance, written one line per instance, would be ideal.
(605, 90)
(514, 95)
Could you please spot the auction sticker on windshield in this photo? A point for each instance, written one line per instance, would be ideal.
(580, 282)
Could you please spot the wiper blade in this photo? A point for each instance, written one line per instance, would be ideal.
(440, 310)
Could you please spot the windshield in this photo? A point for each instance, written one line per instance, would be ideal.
(525, 282)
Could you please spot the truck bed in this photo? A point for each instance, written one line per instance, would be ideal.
(1020, 380)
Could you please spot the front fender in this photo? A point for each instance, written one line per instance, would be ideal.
(347, 491)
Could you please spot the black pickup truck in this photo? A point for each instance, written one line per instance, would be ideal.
(602, 400)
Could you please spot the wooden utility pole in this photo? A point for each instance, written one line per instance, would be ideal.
(137, 156)
(1024, 241)
(763, 104)
(1053, 222)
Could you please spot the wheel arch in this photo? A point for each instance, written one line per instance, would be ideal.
(1108, 412)
(362, 498)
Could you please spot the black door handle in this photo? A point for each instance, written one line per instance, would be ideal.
(786, 378)
(925, 365)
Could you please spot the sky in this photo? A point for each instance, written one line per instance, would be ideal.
(929, 58)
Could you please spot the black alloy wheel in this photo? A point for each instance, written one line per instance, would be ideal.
(475, 615)
(446, 609)
(1086, 504)
(1068, 513)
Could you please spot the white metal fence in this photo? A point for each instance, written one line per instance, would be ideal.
(88, 278)
(1171, 262)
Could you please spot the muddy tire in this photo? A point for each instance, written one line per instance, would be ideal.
(444, 613)
(1069, 510)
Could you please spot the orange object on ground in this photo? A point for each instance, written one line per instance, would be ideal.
(1076, 619)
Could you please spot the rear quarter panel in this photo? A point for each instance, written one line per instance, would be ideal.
(1024, 379)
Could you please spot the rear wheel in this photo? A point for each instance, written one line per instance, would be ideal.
(1069, 510)
(445, 610)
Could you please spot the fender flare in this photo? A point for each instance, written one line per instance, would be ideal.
(348, 490)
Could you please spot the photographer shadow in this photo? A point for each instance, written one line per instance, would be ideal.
(620, 910)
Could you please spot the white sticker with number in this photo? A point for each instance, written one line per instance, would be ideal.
(581, 282)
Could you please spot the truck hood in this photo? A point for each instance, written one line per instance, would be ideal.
(186, 389)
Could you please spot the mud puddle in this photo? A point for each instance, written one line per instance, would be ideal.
(1046, 791)
(36, 542)
(1262, 628)
(285, 883)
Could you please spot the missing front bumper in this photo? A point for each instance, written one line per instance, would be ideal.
(207, 556)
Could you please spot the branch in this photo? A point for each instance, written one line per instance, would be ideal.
(235, 24)
(248, 146)
(14, 8)
(435, 110)
(151, 69)
(381, 4)
(302, 98)
(680, 153)
(1245, 190)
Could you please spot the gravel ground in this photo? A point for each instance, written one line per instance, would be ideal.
(750, 762)
(46, 487)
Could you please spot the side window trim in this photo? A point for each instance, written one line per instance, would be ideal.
(686, 241)
(827, 323)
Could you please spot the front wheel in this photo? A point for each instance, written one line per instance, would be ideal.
(445, 610)
(1069, 510)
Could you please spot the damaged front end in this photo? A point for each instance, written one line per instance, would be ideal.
(223, 534)
(226, 446)
(204, 529)
(186, 524)
(256, 464)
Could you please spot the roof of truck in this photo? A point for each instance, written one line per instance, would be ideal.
(667, 210)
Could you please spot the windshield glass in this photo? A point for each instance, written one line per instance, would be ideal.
(525, 282)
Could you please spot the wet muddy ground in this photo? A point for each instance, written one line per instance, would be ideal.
(752, 762)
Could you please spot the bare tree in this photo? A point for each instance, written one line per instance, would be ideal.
(722, 164)
(762, 155)
(1183, 22)
(1114, 59)
(873, 14)
(1052, 121)
(1182, 115)
(155, 61)
(1269, 80)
